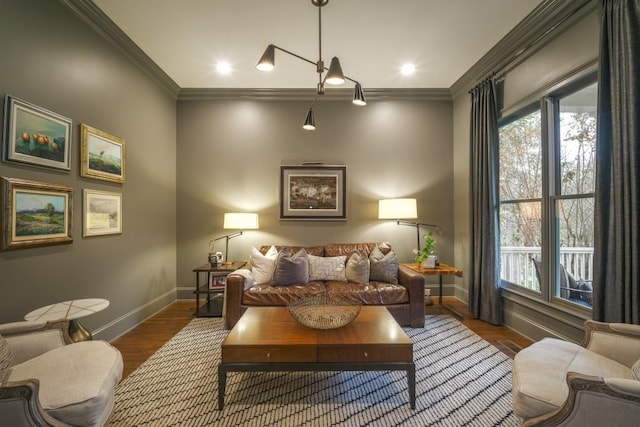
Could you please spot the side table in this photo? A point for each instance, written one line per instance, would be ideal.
(440, 270)
(213, 306)
(70, 310)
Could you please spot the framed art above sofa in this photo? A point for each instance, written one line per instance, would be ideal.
(313, 192)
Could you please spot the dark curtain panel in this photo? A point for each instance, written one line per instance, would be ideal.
(484, 278)
(617, 210)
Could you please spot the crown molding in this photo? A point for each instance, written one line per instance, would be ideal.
(103, 25)
(540, 27)
(205, 94)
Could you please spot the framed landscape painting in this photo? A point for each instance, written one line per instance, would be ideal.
(102, 155)
(313, 192)
(102, 213)
(35, 214)
(35, 136)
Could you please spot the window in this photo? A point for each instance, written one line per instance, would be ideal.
(547, 182)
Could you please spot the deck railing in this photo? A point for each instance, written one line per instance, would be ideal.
(516, 265)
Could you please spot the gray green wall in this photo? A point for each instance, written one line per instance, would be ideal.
(50, 57)
(229, 157)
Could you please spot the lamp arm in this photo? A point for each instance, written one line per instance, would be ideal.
(417, 226)
(228, 237)
(310, 61)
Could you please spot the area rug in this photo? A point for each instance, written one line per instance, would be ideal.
(461, 380)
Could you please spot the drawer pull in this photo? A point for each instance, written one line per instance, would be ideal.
(268, 355)
(366, 354)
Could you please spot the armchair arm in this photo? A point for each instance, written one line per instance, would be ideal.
(616, 341)
(20, 406)
(594, 401)
(30, 339)
(414, 282)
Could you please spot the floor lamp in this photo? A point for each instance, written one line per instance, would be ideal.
(401, 210)
(237, 221)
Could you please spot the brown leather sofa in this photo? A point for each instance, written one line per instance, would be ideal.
(405, 300)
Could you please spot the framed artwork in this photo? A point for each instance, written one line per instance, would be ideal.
(35, 136)
(217, 282)
(101, 155)
(35, 214)
(102, 213)
(313, 192)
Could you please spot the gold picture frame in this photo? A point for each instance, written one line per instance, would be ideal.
(102, 155)
(35, 214)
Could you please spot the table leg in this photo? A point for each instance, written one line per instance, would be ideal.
(451, 309)
(222, 385)
(411, 378)
(77, 332)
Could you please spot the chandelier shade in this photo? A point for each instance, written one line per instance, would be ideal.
(309, 121)
(267, 61)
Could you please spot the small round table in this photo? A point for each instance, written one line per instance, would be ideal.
(70, 310)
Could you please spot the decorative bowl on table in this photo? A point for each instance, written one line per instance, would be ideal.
(321, 312)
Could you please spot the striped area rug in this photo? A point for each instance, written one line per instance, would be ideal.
(461, 380)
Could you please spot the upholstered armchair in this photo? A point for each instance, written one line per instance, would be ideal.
(47, 380)
(597, 384)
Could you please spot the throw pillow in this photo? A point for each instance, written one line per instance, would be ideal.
(6, 359)
(262, 266)
(358, 268)
(327, 268)
(384, 268)
(291, 269)
(636, 370)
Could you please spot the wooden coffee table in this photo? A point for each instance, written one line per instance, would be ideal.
(270, 339)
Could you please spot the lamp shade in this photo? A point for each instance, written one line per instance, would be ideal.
(335, 76)
(309, 121)
(358, 96)
(397, 209)
(267, 61)
(240, 221)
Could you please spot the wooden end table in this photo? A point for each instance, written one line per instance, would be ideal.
(269, 339)
(208, 309)
(440, 270)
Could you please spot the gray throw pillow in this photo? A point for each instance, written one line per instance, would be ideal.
(291, 269)
(384, 268)
(6, 359)
(358, 268)
(636, 370)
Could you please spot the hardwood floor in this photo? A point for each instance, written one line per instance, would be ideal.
(137, 345)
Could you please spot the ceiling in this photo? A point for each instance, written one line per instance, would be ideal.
(372, 38)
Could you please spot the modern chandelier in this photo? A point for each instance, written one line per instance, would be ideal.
(334, 75)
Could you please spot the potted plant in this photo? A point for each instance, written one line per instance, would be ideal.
(427, 257)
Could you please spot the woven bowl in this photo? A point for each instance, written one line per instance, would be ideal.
(324, 313)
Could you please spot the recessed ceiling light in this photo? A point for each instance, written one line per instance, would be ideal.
(407, 69)
(223, 67)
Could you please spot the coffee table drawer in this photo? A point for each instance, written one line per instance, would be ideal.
(268, 354)
(365, 353)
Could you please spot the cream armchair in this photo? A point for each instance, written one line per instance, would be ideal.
(597, 384)
(47, 380)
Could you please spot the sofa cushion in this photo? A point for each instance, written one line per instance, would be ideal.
(372, 293)
(6, 358)
(291, 269)
(540, 371)
(266, 295)
(262, 266)
(348, 249)
(327, 268)
(384, 268)
(357, 269)
(77, 381)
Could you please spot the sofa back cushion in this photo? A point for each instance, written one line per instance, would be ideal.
(310, 250)
(327, 268)
(337, 249)
(6, 359)
(291, 269)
